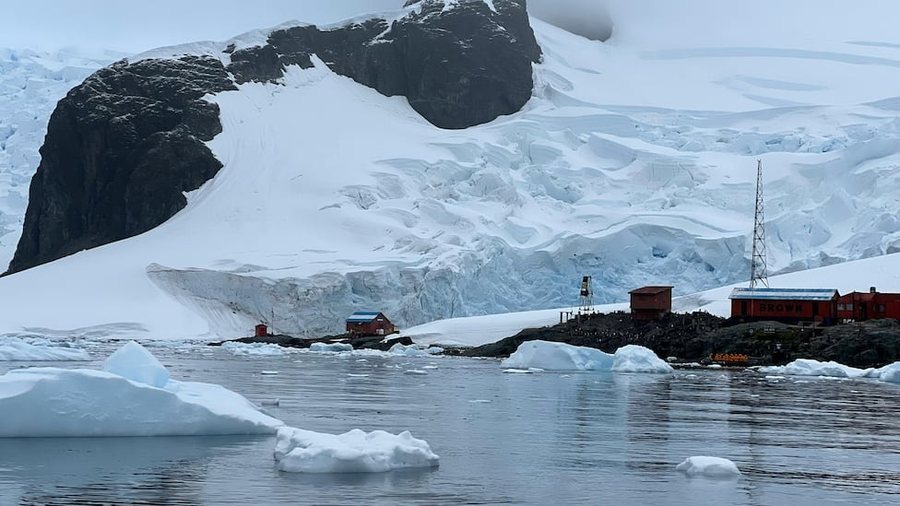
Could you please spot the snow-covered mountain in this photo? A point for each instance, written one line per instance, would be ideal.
(30, 85)
(634, 162)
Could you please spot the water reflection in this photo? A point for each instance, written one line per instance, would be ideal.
(518, 439)
(111, 470)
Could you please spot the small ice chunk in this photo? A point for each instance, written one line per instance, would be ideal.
(808, 367)
(135, 363)
(330, 347)
(269, 373)
(709, 467)
(415, 372)
(254, 349)
(303, 451)
(517, 371)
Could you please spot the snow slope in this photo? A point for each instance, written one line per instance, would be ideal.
(634, 162)
(30, 85)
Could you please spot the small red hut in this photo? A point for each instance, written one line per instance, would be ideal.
(862, 306)
(369, 323)
(787, 305)
(651, 302)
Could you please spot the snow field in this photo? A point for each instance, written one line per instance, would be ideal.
(633, 162)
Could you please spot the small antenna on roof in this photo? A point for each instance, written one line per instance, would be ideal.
(758, 269)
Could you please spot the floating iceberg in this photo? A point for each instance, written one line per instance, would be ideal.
(414, 351)
(254, 349)
(14, 348)
(709, 467)
(330, 347)
(807, 367)
(303, 451)
(889, 373)
(132, 397)
(565, 357)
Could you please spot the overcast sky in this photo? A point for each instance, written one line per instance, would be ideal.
(138, 25)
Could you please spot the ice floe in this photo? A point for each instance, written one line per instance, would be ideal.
(565, 357)
(133, 396)
(330, 347)
(18, 349)
(254, 349)
(808, 367)
(303, 451)
(709, 467)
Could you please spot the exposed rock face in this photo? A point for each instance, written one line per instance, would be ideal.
(458, 65)
(120, 150)
(122, 147)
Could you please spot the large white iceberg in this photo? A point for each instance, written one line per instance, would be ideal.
(18, 349)
(303, 451)
(808, 367)
(129, 398)
(565, 357)
(710, 467)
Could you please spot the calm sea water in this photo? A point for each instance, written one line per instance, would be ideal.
(503, 438)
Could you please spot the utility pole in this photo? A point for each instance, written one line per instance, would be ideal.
(758, 269)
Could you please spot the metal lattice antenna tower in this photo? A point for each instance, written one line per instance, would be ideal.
(758, 269)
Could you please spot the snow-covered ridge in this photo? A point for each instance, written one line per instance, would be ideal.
(31, 83)
(633, 162)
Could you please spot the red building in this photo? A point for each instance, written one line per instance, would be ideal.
(651, 302)
(862, 306)
(787, 305)
(369, 323)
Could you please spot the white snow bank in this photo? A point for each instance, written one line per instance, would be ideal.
(14, 348)
(709, 467)
(254, 349)
(330, 347)
(303, 451)
(53, 402)
(134, 362)
(565, 357)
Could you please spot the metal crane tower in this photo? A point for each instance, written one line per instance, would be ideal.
(758, 269)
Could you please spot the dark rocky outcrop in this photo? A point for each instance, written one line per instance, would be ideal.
(120, 150)
(457, 67)
(122, 147)
(358, 342)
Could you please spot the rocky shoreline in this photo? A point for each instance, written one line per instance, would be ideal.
(679, 337)
(358, 342)
(694, 337)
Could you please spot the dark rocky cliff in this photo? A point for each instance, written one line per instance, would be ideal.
(123, 147)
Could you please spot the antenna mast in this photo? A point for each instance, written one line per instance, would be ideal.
(758, 269)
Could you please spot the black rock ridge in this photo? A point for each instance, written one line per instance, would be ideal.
(123, 147)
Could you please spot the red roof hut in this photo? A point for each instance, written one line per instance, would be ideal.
(369, 323)
(651, 302)
(862, 306)
(787, 305)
